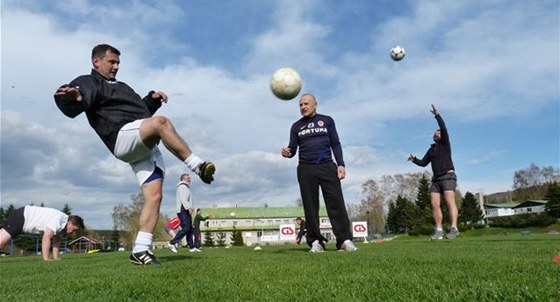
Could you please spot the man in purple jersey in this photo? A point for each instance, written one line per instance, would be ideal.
(316, 136)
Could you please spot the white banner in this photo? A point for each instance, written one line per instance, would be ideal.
(359, 229)
(288, 232)
(269, 238)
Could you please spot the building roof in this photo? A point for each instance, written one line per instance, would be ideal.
(506, 205)
(84, 238)
(516, 205)
(531, 203)
(257, 212)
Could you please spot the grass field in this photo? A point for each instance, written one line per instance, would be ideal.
(503, 267)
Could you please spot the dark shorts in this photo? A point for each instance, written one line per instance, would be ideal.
(14, 223)
(446, 182)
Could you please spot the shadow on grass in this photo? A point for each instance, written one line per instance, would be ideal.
(177, 257)
(301, 249)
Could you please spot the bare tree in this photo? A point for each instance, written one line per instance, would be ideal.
(533, 182)
(372, 206)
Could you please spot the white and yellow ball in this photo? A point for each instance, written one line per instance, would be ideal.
(285, 83)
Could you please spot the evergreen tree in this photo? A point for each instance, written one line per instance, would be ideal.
(470, 211)
(236, 238)
(66, 209)
(2, 216)
(115, 238)
(9, 210)
(208, 239)
(403, 215)
(221, 239)
(424, 202)
(423, 196)
(553, 196)
(392, 218)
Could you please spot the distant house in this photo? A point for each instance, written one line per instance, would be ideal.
(258, 225)
(84, 244)
(530, 206)
(492, 210)
(514, 208)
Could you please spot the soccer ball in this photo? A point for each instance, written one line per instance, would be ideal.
(397, 53)
(285, 83)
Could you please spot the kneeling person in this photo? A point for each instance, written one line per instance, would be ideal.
(34, 220)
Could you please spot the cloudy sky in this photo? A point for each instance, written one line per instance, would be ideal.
(491, 67)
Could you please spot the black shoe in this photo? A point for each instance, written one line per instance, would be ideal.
(206, 172)
(144, 258)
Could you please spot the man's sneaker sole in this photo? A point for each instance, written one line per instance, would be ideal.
(207, 170)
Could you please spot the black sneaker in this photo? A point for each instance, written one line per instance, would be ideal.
(206, 172)
(144, 258)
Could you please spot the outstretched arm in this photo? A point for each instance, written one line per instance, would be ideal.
(441, 124)
(69, 100)
(434, 110)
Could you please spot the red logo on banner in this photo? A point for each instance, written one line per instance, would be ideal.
(359, 228)
(287, 231)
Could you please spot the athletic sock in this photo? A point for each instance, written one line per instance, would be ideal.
(143, 242)
(193, 162)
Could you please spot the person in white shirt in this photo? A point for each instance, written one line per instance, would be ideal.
(37, 220)
(184, 213)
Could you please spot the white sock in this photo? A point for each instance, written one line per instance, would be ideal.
(193, 162)
(143, 242)
(439, 229)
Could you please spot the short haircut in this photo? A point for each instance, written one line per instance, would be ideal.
(101, 49)
(309, 94)
(183, 175)
(77, 221)
(199, 209)
(298, 218)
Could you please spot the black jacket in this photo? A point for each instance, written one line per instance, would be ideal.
(109, 105)
(439, 153)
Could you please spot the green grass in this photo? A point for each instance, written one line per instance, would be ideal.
(485, 268)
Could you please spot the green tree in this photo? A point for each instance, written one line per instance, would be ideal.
(66, 209)
(403, 216)
(208, 239)
(9, 210)
(553, 196)
(470, 211)
(423, 193)
(115, 239)
(423, 201)
(236, 238)
(2, 216)
(221, 239)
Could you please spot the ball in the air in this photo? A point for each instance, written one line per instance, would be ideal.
(397, 53)
(285, 83)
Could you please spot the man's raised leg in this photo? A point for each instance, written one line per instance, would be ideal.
(157, 128)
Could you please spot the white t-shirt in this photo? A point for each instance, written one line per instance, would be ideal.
(38, 219)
